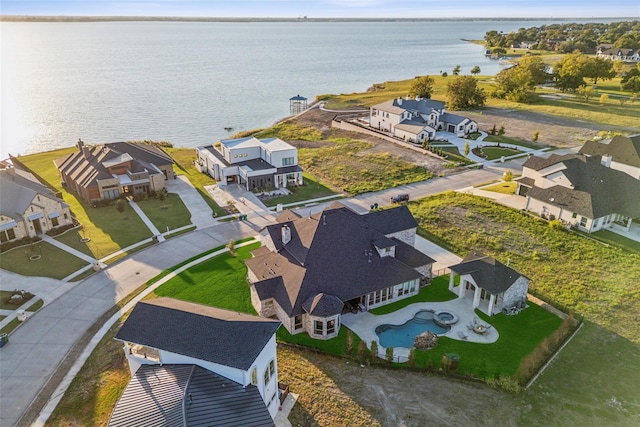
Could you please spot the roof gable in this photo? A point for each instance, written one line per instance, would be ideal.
(488, 273)
(198, 331)
(622, 149)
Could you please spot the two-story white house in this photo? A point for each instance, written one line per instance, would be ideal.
(28, 208)
(580, 191)
(417, 120)
(197, 365)
(255, 164)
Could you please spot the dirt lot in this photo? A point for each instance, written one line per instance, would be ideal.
(405, 398)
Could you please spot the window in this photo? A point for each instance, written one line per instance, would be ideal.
(272, 399)
(583, 221)
(269, 371)
(318, 327)
(287, 161)
(66, 216)
(297, 322)
(331, 327)
(574, 216)
(254, 376)
(7, 235)
(54, 222)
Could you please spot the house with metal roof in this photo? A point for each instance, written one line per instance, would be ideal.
(492, 286)
(28, 208)
(620, 153)
(313, 268)
(256, 164)
(109, 171)
(195, 365)
(580, 191)
(417, 120)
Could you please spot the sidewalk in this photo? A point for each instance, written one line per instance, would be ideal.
(146, 221)
(68, 249)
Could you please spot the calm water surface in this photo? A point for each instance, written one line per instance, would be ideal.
(185, 82)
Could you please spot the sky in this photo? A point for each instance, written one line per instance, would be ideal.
(629, 9)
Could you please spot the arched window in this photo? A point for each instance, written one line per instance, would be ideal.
(254, 376)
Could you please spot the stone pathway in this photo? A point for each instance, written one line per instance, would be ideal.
(146, 221)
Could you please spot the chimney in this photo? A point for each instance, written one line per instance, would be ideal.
(418, 98)
(286, 234)
(399, 100)
(606, 160)
(86, 152)
(80, 144)
(10, 170)
(408, 97)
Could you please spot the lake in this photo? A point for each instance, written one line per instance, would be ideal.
(186, 82)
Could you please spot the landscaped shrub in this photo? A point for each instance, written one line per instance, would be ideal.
(349, 344)
(411, 362)
(12, 301)
(374, 351)
(59, 230)
(389, 354)
(362, 351)
(5, 246)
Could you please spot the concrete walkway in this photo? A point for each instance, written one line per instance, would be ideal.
(146, 220)
(201, 214)
(68, 249)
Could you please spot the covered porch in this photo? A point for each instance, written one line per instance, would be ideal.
(468, 290)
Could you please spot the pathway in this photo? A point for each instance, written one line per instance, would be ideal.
(146, 221)
(68, 249)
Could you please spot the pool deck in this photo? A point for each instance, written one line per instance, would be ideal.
(365, 324)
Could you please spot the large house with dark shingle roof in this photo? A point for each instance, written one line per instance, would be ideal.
(417, 120)
(580, 191)
(313, 268)
(491, 285)
(108, 171)
(28, 208)
(195, 365)
(620, 153)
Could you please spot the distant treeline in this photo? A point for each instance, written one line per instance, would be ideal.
(569, 37)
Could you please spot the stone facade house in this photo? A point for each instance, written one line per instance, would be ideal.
(417, 120)
(311, 269)
(195, 365)
(580, 191)
(491, 285)
(256, 164)
(28, 208)
(109, 171)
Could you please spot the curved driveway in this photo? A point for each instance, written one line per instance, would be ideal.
(39, 346)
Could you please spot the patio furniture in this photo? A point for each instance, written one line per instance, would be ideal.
(462, 335)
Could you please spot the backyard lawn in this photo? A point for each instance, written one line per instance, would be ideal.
(53, 262)
(311, 189)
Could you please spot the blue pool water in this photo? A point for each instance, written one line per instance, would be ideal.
(403, 335)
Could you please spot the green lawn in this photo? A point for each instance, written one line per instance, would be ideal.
(311, 189)
(8, 306)
(170, 213)
(184, 159)
(36, 305)
(219, 282)
(502, 187)
(493, 153)
(511, 141)
(54, 262)
(73, 238)
(437, 291)
(453, 154)
(336, 346)
(615, 239)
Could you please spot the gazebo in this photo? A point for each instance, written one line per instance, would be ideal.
(297, 104)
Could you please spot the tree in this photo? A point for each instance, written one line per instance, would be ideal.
(498, 51)
(569, 72)
(422, 87)
(464, 93)
(507, 176)
(120, 205)
(518, 83)
(598, 68)
(536, 135)
(466, 148)
(444, 74)
(475, 70)
(349, 343)
(604, 98)
(501, 130)
(389, 354)
(456, 70)
(362, 351)
(586, 93)
(374, 351)
(632, 85)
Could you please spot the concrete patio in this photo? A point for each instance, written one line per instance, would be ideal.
(365, 324)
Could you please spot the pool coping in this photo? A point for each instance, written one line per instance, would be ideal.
(365, 324)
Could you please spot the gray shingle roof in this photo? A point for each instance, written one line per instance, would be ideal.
(187, 395)
(332, 252)
(622, 149)
(597, 190)
(323, 305)
(424, 106)
(18, 189)
(454, 119)
(487, 272)
(198, 331)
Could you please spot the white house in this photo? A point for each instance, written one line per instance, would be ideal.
(254, 163)
(580, 191)
(620, 153)
(28, 208)
(211, 365)
(613, 54)
(417, 120)
(312, 269)
(491, 285)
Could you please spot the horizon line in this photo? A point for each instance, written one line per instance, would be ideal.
(307, 18)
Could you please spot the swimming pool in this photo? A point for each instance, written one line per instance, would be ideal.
(404, 335)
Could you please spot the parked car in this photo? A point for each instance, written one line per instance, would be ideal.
(399, 198)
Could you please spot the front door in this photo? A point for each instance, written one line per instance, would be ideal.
(36, 226)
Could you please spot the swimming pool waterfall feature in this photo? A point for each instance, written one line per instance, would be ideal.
(404, 335)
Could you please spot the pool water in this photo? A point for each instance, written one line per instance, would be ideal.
(404, 335)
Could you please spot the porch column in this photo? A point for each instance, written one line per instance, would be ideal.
(451, 279)
(476, 297)
(463, 285)
(492, 300)
(629, 224)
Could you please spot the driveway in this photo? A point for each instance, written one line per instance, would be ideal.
(201, 215)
